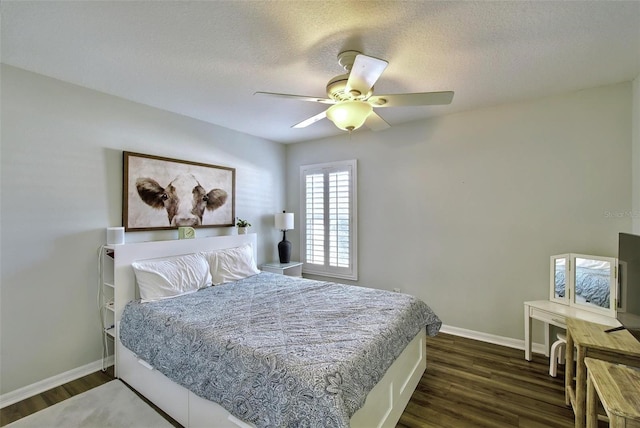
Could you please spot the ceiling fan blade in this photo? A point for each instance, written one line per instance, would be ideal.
(415, 99)
(375, 123)
(366, 70)
(297, 97)
(311, 120)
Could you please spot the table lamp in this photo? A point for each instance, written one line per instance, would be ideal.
(284, 222)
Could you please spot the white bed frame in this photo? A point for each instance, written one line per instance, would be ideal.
(383, 407)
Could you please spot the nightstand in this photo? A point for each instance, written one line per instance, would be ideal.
(289, 269)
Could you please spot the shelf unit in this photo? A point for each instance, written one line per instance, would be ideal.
(106, 299)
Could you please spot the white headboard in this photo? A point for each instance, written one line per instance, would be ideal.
(125, 254)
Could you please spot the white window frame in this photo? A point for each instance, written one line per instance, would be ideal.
(351, 272)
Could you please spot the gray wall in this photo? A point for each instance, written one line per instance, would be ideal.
(61, 173)
(465, 210)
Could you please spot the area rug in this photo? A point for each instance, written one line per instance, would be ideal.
(109, 405)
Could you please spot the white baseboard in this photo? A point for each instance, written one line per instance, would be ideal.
(537, 348)
(46, 384)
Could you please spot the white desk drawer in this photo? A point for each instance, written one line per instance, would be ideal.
(548, 317)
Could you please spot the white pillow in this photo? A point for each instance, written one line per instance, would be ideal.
(171, 277)
(232, 264)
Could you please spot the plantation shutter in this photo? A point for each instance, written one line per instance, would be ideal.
(328, 212)
(314, 219)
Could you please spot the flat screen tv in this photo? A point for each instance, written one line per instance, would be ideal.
(628, 310)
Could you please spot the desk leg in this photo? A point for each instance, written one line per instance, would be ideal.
(527, 333)
(568, 369)
(547, 334)
(592, 404)
(581, 383)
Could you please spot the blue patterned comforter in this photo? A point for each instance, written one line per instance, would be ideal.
(278, 351)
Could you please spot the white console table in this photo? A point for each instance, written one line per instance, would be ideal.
(552, 313)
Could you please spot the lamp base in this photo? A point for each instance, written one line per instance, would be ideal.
(284, 249)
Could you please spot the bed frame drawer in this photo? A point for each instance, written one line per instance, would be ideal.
(153, 385)
(388, 399)
(205, 413)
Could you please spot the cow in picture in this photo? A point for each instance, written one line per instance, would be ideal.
(184, 199)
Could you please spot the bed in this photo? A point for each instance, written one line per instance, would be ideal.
(269, 350)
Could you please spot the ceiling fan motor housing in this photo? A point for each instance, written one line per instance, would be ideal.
(336, 90)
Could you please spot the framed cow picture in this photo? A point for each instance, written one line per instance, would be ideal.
(163, 193)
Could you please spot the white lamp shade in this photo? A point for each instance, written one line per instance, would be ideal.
(284, 221)
(349, 115)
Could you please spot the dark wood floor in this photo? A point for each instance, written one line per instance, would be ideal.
(467, 384)
(475, 384)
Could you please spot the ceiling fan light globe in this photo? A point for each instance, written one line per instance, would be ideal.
(349, 115)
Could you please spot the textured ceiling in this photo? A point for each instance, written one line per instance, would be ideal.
(205, 59)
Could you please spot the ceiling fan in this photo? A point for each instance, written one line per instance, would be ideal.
(351, 95)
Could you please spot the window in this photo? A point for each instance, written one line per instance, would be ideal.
(329, 219)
